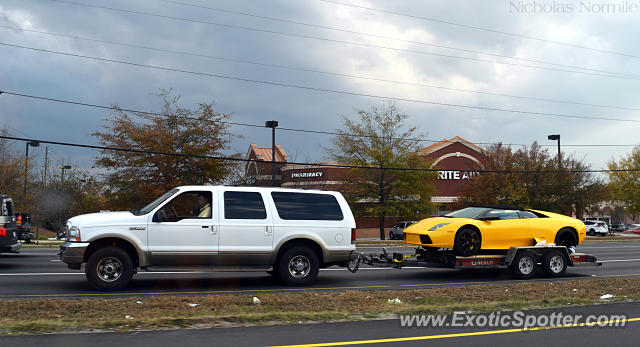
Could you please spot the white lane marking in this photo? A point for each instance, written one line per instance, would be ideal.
(605, 247)
(617, 260)
(55, 260)
(205, 272)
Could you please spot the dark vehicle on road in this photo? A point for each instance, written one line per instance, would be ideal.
(8, 231)
(618, 226)
(23, 223)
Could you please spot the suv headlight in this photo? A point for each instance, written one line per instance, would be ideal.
(438, 226)
(73, 234)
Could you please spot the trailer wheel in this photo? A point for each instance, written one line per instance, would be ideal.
(466, 243)
(554, 263)
(524, 265)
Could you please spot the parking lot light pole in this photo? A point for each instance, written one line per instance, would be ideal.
(554, 138)
(26, 163)
(65, 167)
(273, 124)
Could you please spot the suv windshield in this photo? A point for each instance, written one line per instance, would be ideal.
(155, 203)
(469, 212)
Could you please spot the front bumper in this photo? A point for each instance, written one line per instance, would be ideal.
(11, 248)
(73, 252)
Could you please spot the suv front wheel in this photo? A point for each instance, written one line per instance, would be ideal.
(298, 266)
(109, 268)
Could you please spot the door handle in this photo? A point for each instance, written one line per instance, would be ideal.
(267, 231)
(213, 230)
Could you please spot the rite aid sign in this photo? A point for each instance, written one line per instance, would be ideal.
(456, 175)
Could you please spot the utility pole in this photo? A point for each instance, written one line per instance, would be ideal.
(554, 138)
(273, 124)
(46, 165)
(26, 164)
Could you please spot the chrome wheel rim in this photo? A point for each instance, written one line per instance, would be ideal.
(299, 266)
(109, 269)
(556, 263)
(525, 265)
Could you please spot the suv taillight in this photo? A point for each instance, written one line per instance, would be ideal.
(353, 236)
(3, 231)
(19, 220)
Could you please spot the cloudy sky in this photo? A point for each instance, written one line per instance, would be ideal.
(582, 58)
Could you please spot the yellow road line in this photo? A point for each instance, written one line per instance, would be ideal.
(312, 289)
(445, 336)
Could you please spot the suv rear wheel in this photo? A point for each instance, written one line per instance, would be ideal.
(298, 266)
(109, 268)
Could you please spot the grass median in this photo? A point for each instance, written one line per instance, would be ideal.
(175, 312)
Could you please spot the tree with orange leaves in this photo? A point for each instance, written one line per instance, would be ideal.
(135, 178)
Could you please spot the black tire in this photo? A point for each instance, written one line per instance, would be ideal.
(109, 269)
(524, 265)
(467, 242)
(554, 263)
(566, 237)
(592, 232)
(298, 266)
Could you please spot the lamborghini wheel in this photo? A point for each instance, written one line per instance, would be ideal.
(566, 237)
(467, 242)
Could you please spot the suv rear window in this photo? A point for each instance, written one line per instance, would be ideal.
(244, 205)
(307, 206)
(7, 208)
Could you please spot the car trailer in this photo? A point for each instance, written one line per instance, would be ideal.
(522, 261)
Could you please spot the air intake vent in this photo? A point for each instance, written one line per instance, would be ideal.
(425, 240)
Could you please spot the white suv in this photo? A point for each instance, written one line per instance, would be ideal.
(290, 233)
(595, 227)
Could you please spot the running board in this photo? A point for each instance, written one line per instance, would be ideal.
(205, 269)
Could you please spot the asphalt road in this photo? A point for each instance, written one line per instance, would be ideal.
(38, 273)
(374, 333)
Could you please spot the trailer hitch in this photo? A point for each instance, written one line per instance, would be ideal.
(384, 259)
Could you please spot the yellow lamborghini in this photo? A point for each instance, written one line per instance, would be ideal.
(472, 229)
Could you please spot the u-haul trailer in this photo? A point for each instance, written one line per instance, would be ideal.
(522, 261)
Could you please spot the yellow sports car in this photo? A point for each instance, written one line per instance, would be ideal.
(472, 229)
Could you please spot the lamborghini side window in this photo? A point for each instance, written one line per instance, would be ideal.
(527, 214)
(504, 214)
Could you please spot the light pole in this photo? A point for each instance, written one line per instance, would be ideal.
(273, 124)
(65, 167)
(26, 163)
(554, 138)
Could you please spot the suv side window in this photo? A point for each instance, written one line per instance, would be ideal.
(244, 205)
(307, 206)
(189, 205)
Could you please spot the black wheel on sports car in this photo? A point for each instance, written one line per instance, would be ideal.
(566, 237)
(467, 242)
(524, 265)
(554, 263)
(592, 232)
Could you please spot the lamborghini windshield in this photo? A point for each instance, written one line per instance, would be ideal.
(469, 212)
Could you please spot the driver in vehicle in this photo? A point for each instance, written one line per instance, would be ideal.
(204, 205)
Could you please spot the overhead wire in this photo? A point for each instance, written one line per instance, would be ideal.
(287, 67)
(318, 89)
(347, 166)
(609, 74)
